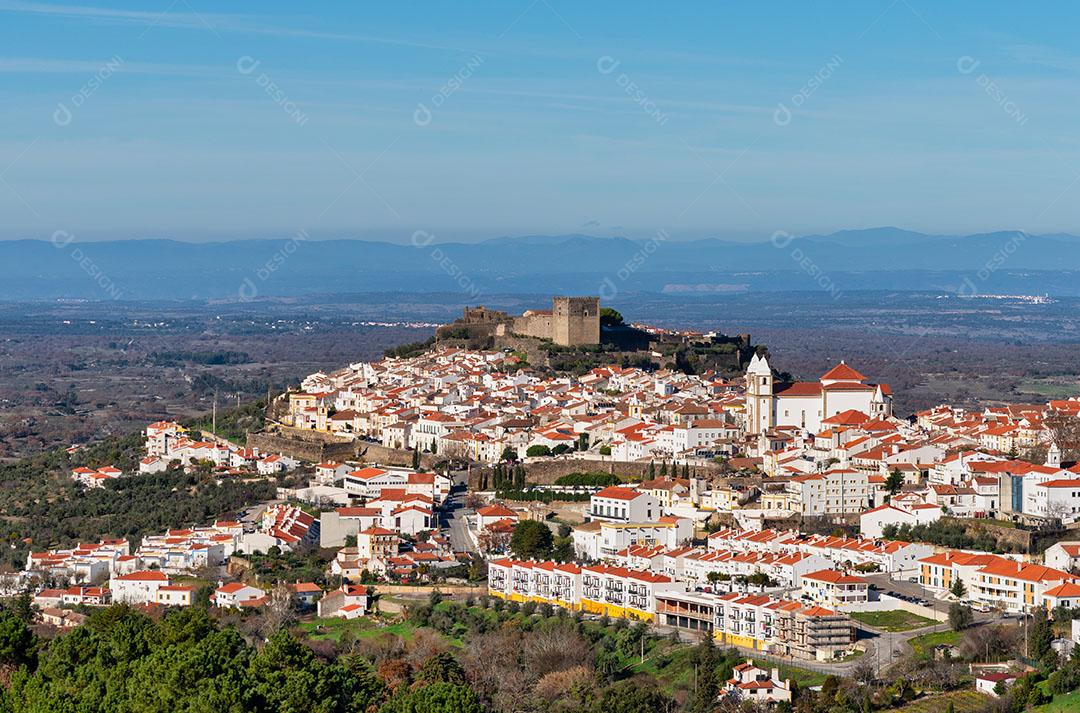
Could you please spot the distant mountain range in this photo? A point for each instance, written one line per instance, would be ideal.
(878, 258)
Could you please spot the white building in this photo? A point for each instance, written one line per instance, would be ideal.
(237, 594)
(138, 587)
(835, 492)
(753, 683)
(806, 404)
(603, 540)
(1063, 555)
(832, 588)
(1055, 498)
(873, 521)
(618, 504)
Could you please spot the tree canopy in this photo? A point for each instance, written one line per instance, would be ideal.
(532, 539)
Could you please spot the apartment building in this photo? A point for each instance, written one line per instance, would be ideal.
(993, 580)
(830, 587)
(835, 492)
(598, 589)
(760, 622)
(601, 540)
(619, 504)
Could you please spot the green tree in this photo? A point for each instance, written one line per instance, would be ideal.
(706, 660)
(537, 451)
(531, 539)
(435, 698)
(633, 696)
(894, 482)
(441, 668)
(18, 645)
(509, 454)
(1042, 633)
(610, 317)
(958, 589)
(960, 616)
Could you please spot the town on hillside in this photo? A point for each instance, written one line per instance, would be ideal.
(797, 521)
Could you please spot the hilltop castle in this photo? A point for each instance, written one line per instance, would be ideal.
(571, 322)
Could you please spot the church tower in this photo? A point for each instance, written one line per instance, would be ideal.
(1053, 455)
(759, 396)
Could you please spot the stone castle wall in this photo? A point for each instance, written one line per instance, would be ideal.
(533, 325)
(572, 321)
(548, 471)
(318, 447)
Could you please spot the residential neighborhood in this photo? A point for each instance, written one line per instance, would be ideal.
(777, 518)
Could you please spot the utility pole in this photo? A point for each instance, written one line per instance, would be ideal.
(213, 426)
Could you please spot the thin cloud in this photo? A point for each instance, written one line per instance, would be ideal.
(201, 21)
(39, 65)
(1044, 56)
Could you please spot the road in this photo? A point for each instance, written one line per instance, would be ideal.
(452, 519)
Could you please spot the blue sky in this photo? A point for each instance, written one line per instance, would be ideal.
(197, 120)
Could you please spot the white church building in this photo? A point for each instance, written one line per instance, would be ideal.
(805, 404)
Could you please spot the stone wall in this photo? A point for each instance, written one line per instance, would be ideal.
(546, 472)
(318, 447)
(306, 449)
(1010, 538)
(533, 324)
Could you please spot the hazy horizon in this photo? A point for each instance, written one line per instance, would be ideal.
(199, 123)
(472, 238)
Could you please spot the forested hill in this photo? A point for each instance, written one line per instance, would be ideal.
(42, 507)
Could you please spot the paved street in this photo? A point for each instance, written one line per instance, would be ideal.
(453, 517)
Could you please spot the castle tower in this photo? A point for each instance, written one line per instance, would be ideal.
(575, 321)
(759, 396)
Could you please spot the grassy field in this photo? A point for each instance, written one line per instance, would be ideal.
(1052, 388)
(673, 667)
(893, 620)
(1067, 703)
(923, 644)
(963, 702)
(801, 676)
